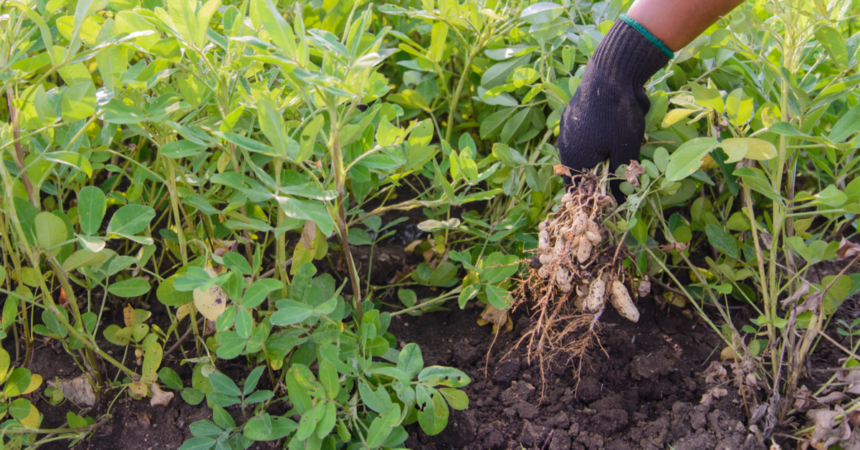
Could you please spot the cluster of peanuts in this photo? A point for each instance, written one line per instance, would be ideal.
(562, 242)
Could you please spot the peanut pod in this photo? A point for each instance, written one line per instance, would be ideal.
(623, 303)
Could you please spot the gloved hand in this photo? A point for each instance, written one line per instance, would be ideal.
(606, 117)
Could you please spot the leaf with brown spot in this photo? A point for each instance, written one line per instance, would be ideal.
(138, 389)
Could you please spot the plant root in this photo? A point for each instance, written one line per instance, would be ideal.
(575, 272)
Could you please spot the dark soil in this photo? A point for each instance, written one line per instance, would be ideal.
(642, 393)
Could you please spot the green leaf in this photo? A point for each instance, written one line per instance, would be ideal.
(130, 220)
(170, 378)
(688, 158)
(119, 113)
(183, 18)
(198, 443)
(708, 97)
(721, 240)
(50, 231)
(499, 267)
(223, 384)
(757, 181)
(498, 297)
(204, 15)
(181, 149)
(151, 361)
(309, 421)
(498, 73)
(257, 292)
(71, 159)
(739, 107)
(290, 312)
(456, 398)
(434, 418)
(278, 28)
(832, 41)
(542, 12)
(20, 408)
(410, 360)
(382, 426)
(848, 124)
(132, 287)
(309, 137)
(273, 125)
(79, 102)
(831, 196)
(438, 36)
(493, 124)
(191, 396)
(91, 209)
(169, 296)
(252, 380)
(244, 323)
(308, 210)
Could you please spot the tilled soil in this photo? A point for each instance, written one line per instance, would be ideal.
(643, 392)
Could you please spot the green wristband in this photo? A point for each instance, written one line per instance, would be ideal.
(651, 38)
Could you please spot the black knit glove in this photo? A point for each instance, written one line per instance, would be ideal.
(606, 117)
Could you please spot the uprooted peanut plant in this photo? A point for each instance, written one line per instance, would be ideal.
(575, 272)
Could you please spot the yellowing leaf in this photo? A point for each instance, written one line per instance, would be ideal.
(35, 382)
(751, 148)
(676, 115)
(128, 315)
(33, 419)
(212, 302)
(182, 312)
(138, 389)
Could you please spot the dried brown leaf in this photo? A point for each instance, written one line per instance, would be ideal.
(715, 393)
(847, 249)
(827, 432)
(812, 302)
(562, 170)
(79, 390)
(159, 397)
(309, 232)
(633, 171)
(803, 290)
(832, 398)
(715, 373)
(803, 399)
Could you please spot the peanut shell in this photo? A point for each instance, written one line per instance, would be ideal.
(595, 296)
(579, 223)
(584, 251)
(623, 303)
